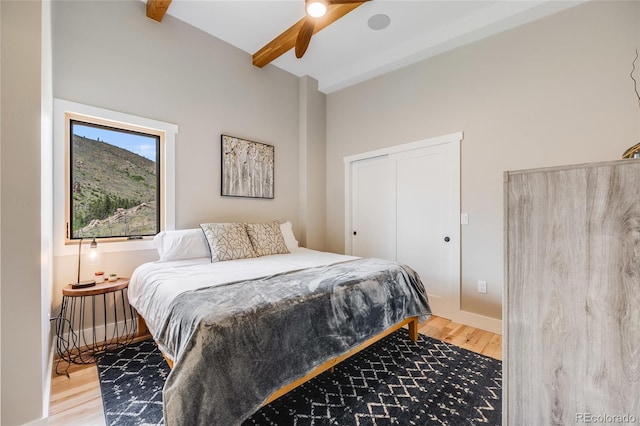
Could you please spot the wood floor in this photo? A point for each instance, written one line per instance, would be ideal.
(76, 401)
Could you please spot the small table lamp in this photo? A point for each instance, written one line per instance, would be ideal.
(93, 254)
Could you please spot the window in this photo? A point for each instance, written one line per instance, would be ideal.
(114, 179)
(121, 188)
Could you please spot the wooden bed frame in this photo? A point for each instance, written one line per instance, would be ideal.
(412, 322)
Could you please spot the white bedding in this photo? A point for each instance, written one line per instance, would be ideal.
(154, 285)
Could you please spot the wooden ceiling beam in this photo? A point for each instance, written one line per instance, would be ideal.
(157, 8)
(287, 40)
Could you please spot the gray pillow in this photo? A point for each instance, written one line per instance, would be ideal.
(266, 238)
(227, 241)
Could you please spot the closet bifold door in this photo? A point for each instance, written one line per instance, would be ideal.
(572, 295)
(372, 209)
(427, 221)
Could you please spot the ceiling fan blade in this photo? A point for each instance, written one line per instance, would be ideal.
(304, 37)
(285, 41)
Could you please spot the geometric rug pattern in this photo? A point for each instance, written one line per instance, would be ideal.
(131, 381)
(393, 382)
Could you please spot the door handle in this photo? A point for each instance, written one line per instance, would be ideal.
(447, 239)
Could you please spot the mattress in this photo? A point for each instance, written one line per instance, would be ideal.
(154, 285)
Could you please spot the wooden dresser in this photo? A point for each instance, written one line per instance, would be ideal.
(572, 295)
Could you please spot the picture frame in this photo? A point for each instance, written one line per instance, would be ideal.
(247, 168)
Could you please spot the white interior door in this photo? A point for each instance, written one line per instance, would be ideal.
(371, 206)
(426, 220)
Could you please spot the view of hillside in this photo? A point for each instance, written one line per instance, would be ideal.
(114, 191)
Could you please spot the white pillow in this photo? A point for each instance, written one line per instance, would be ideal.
(289, 238)
(181, 244)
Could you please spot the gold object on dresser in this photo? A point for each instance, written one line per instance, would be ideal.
(633, 152)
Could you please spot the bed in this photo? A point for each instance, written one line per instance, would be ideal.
(240, 328)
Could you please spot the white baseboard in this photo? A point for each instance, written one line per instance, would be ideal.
(492, 325)
(39, 422)
(46, 392)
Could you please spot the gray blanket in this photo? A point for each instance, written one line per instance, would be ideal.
(236, 344)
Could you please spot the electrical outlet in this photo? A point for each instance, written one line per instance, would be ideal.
(482, 286)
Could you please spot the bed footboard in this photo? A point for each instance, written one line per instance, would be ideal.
(413, 335)
(412, 324)
(142, 326)
(413, 329)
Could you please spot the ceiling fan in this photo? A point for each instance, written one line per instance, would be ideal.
(319, 14)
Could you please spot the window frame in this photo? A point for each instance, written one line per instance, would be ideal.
(64, 111)
(116, 126)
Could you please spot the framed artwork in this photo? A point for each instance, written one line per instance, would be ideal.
(247, 168)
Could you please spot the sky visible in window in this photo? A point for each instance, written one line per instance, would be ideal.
(144, 146)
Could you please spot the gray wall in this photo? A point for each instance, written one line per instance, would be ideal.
(313, 107)
(23, 384)
(109, 55)
(555, 91)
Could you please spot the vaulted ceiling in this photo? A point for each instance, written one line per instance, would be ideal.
(349, 50)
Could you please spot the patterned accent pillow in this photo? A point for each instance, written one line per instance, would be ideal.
(227, 241)
(266, 238)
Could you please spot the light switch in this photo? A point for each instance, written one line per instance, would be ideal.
(464, 218)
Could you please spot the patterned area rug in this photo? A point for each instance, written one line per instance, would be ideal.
(394, 381)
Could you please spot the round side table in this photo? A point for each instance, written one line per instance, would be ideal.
(79, 338)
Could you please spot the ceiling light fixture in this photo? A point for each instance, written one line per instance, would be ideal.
(316, 8)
